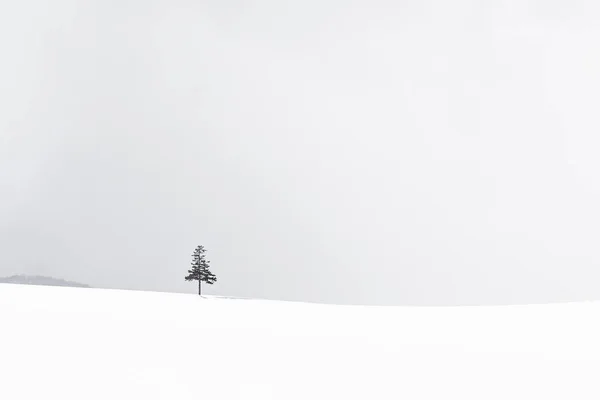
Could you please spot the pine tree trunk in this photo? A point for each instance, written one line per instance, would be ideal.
(199, 287)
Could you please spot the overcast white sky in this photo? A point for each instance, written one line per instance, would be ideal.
(374, 152)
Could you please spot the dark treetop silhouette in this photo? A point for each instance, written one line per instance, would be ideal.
(199, 271)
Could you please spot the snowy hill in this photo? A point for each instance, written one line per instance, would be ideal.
(40, 280)
(64, 343)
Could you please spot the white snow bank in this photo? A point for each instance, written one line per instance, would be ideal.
(68, 343)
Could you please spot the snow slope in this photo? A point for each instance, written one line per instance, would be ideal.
(71, 343)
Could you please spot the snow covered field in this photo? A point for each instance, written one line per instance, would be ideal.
(71, 343)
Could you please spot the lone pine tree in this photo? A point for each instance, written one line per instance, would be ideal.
(199, 271)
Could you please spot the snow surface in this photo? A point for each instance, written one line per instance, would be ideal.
(71, 343)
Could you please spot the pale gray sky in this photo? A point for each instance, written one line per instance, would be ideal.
(374, 152)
